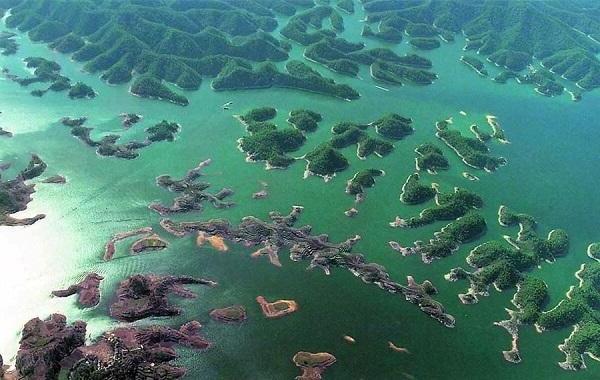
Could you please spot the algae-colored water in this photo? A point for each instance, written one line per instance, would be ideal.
(552, 174)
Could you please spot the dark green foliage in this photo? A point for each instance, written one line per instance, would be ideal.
(149, 87)
(413, 192)
(162, 131)
(393, 126)
(67, 44)
(385, 33)
(325, 160)
(425, 43)
(509, 33)
(300, 76)
(473, 152)
(348, 133)
(337, 22)
(8, 45)
(504, 76)
(397, 74)
(449, 207)
(259, 114)
(446, 241)
(475, 63)
(81, 90)
(361, 180)
(430, 158)
(305, 120)
(266, 142)
(420, 30)
(511, 60)
(530, 298)
(347, 5)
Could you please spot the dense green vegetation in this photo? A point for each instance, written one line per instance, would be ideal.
(259, 114)
(108, 145)
(8, 45)
(384, 32)
(46, 71)
(178, 42)
(347, 5)
(413, 192)
(504, 76)
(593, 251)
(445, 242)
(430, 158)
(398, 74)
(503, 263)
(544, 82)
(579, 309)
(393, 126)
(479, 134)
(345, 57)
(472, 151)
(348, 133)
(449, 206)
(362, 180)
(509, 34)
(266, 142)
(163, 131)
(475, 63)
(79, 90)
(325, 160)
(299, 76)
(305, 120)
(150, 87)
(424, 43)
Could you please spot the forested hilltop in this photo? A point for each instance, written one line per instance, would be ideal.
(563, 35)
(237, 41)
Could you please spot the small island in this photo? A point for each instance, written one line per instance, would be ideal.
(593, 251)
(150, 87)
(502, 263)
(362, 180)
(393, 126)
(472, 151)
(414, 192)
(5, 133)
(143, 296)
(231, 314)
(313, 365)
(109, 146)
(15, 194)
(305, 120)
(88, 290)
(276, 309)
(192, 194)
(430, 158)
(445, 242)
(474, 63)
(8, 46)
(317, 249)
(448, 206)
(324, 161)
(81, 90)
(425, 43)
(128, 120)
(52, 348)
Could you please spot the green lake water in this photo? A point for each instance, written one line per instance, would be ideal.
(552, 174)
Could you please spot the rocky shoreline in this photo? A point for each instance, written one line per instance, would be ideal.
(281, 233)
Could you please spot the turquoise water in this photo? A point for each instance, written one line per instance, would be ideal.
(552, 174)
